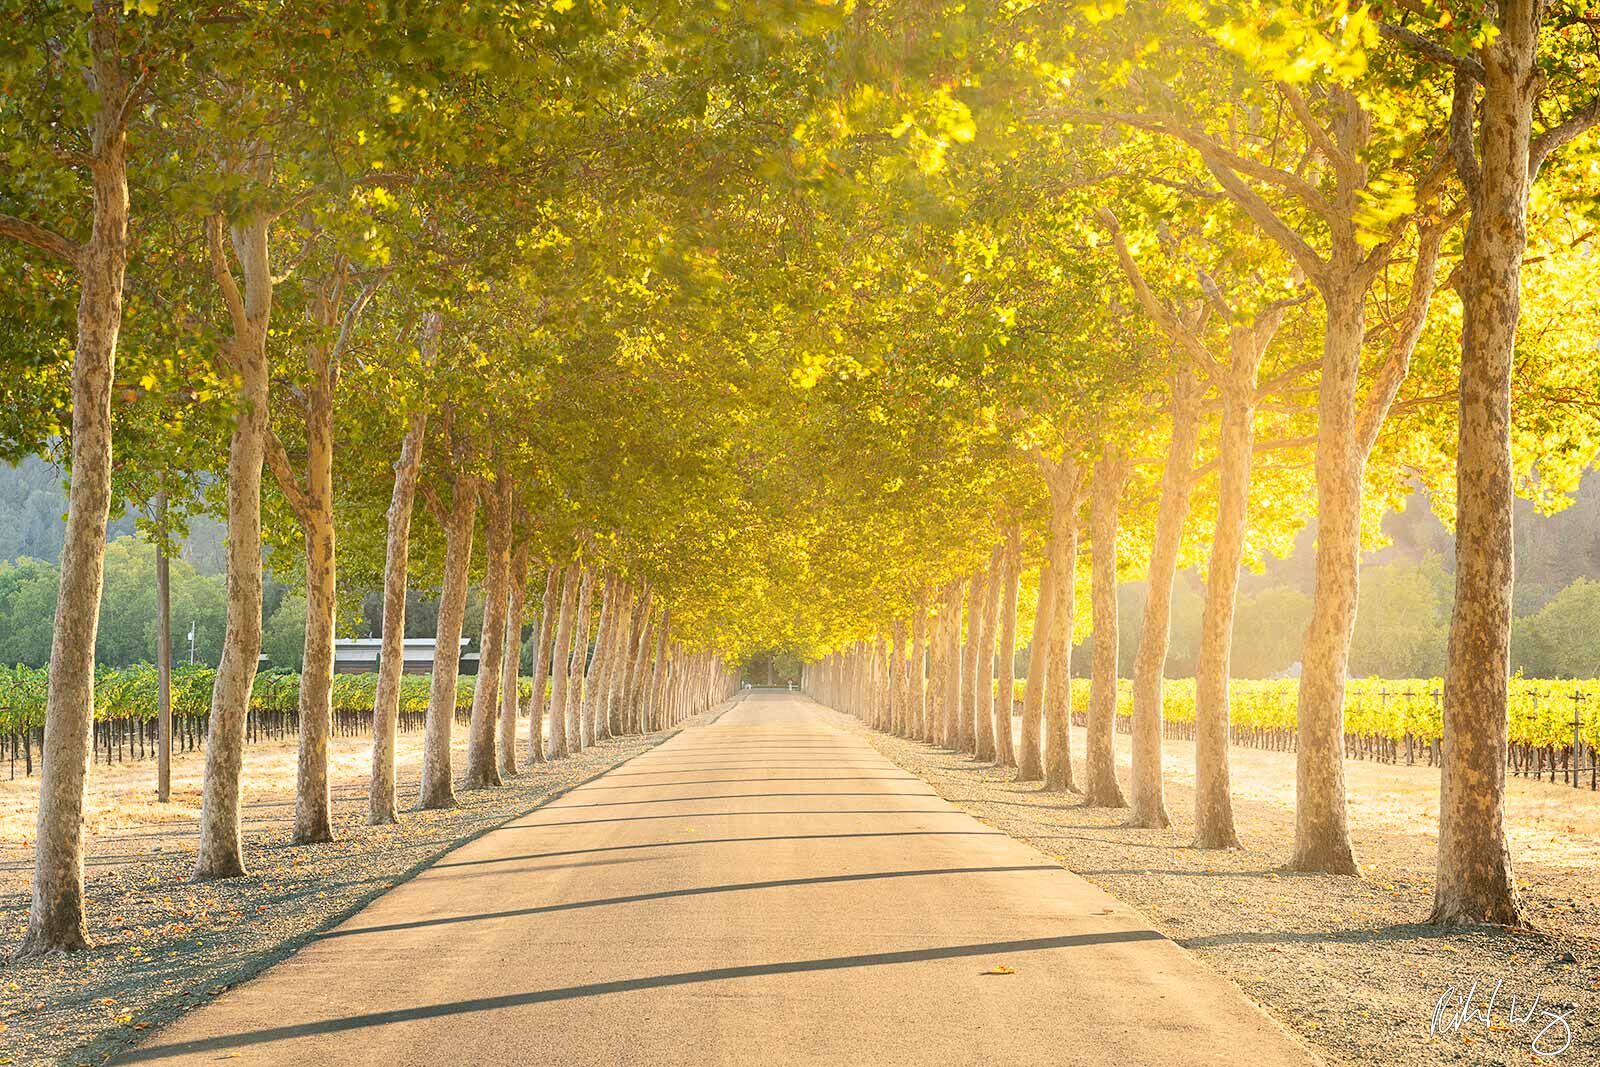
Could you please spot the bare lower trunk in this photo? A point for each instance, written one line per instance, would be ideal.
(594, 688)
(1148, 802)
(437, 790)
(632, 686)
(1030, 760)
(1475, 879)
(1100, 758)
(898, 680)
(396, 564)
(577, 726)
(917, 670)
(983, 685)
(516, 603)
(1322, 833)
(952, 666)
(657, 679)
(560, 675)
(221, 850)
(483, 761)
(56, 920)
(1064, 489)
(313, 802)
(541, 663)
(1213, 800)
(1005, 753)
(977, 593)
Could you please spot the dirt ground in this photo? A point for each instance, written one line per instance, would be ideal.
(1345, 962)
(163, 944)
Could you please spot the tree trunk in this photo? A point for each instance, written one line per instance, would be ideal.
(437, 790)
(983, 683)
(1149, 808)
(1100, 757)
(633, 720)
(516, 604)
(918, 670)
(652, 704)
(1475, 879)
(1064, 488)
(396, 565)
(977, 594)
(1011, 572)
(313, 803)
(1030, 761)
(221, 850)
(483, 761)
(1213, 800)
(577, 726)
(1322, 833)
(55, 917)
(560, 676)
(594, 694)
(952, 666)
(541, 663)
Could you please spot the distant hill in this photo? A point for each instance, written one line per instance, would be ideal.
(33, 508)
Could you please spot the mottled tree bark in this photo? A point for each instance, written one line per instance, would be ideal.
(56, 921)
(1030, 760)
(436, 789)
(516, 605)
(1475, 879)
(950, 737)
(966, 738)
(1322, 830)
(1213, 801)
(1100, 758)
(1064, 480)
(594, 693)
(984, 681)
(1148, 801)
(577, 725)
(632, 710)
(313, 802)
(1011, 573)
(221, 850)
(396, 564)
(541, 663)
(658, 673)
(918, 670)
(483, 762)
(560, 675)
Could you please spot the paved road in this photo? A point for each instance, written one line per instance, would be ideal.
(765, 890)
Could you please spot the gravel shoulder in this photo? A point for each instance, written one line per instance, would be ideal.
(1343, 962)
(164, 945)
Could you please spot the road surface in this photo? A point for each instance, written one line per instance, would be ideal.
(763, 890)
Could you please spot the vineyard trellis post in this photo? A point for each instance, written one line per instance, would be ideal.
(163, 654)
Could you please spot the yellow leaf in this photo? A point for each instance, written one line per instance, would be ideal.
(1000, 968)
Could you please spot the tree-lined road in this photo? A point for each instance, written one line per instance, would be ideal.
(766, 889)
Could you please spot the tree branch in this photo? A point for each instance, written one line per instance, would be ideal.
(1164, 316)
(1430, 49)
(283, 472)
(1560, 134)
(36, 236)
(223, 273)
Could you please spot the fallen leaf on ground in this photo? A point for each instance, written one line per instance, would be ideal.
(1000, 968)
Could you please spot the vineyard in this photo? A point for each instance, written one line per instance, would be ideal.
(1389, 720)
(125, 709)
(1394, 720)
